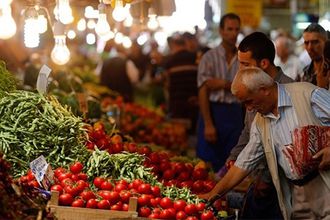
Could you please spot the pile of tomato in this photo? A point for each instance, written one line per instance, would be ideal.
(101, 193)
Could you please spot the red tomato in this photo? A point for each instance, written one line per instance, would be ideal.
(200, 206)
(144, 200)
(166, 203)
(34, 183)
(145, 150)
(57, 188)
(190, 209)
(181, 215)
(117, 207)
(144, 188)
(155, 190)
(63, 176)
(125, 207)
(198, 186)
(125, 195)
(114, 197)
(191, 218)
(154, 158)
(87, 195)
(117, 148)
(136, 183)
(207, 215)
(120, 187)
(92, 203)
(168, 174)
(65, 199)
(122, 181)
(30, 175)
(185, 175)
(154, 215)
(187, 184)
(200, 174)
(59, 171)
(103, 204)
(82, 176)
(154, 202)
(106, 185)
(98, 181)
(76, 167)
(144, 211)
(179, 205)
(81, 185)
(78, 203)
(165, 214)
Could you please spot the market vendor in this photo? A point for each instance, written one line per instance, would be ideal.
(282, 108)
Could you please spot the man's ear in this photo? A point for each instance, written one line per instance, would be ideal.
(264, 64)
(264, 90)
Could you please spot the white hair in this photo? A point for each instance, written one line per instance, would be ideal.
(253, 78)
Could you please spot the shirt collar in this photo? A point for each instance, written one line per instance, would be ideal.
(283, 97)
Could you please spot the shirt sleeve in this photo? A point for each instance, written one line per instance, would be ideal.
(321, 105)
(205, 69)
(132, 72)
(253, 153)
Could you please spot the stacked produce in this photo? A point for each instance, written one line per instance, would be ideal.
(32, 125)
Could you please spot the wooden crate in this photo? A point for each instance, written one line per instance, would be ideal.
(71, 213)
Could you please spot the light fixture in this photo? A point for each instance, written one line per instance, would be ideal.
(152, 23)
(119, 12)
(102, 27)
(7, 23)
(81, 25)
(42, 19)
(128, 21)
(60, 53)
(63, 11)
(31, 35)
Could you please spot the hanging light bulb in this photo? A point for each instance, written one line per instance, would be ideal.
(5, 3)
(81, 26)
(128, 21)
(60, 53)
(119, 12)
(63, 12)
(31, 36)
(152, 23)
(102, 27)
(7, 23)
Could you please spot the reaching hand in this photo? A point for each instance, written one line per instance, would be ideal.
(324, 156)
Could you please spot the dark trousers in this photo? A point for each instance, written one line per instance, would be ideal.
(228, 121)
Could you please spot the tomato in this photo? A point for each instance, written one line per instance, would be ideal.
(103, 204)
(181, 215)
(125, 195)
(154, 215)
(144, 188)
(187, 184)
(117, 148)
(154, 202)
(87, 195)
(125, 207)
(179, 205)
(122, 181)
(136, 183)
(165, 214)
(180, 167)
(90, 145)
(117, 207)
(80, 185)
(66, 182)
(191, 218)
(200, 174)
(78, 203)
(144, 211)
(154, 158)
(168, 174)
(114, 197)
(30, 175)
(166, 203)
(92, 203)
(144, 200)
(59, 171)
(155, 190)
(120, 187)
(76, 167)
(164, 165)
(98, 182)
(106, 185)
(72, 190)
(200, 206)
(57, 188)
(74, 177)
(82, 176)
(65, 199)
(63, 176)
(198, 186)
(132, 147)
(34, 183)
(185, 175)
(190, 209)
(209, 185)
(207, 215)
(145, 150)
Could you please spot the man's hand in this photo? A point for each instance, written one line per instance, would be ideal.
(210, 133)
(324, 156)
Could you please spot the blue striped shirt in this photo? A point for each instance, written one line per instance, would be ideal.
(214, 65)
(281, 127)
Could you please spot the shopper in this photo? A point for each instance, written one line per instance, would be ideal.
(286, 59)
(221, 115)
(314, 39)
(282, 108)
(257, 50)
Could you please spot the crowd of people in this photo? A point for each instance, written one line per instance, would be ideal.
(243, 102)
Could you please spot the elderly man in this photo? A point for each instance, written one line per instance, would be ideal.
(282, 108)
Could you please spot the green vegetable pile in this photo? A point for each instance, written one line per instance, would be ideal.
(32, 125)
(8, 81)
(128, 166)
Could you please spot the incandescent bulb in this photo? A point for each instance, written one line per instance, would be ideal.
(31, 30)
(102, 27)
(60, 53)
(63, 12)
(152, 23)
(119, 12)
(42, 23)
(7, 23)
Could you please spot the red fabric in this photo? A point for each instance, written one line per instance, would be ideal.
(307, 141)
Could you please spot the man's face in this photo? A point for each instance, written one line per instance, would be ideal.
(230, 31)
(245, 60)
(255, 101)
(314, 44)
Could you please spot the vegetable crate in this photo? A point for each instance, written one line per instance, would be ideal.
(72, 213)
